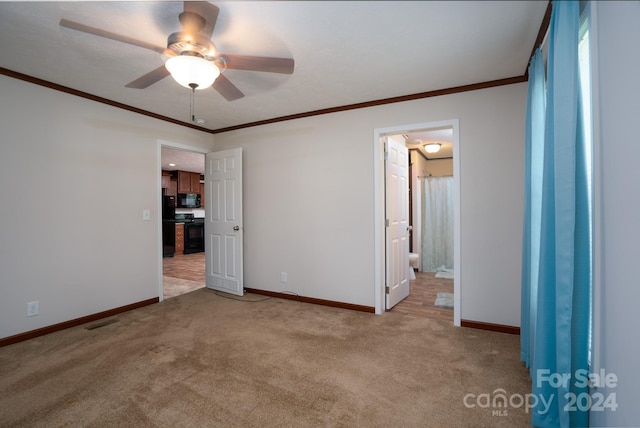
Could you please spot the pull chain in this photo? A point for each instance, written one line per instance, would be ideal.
(192, 107)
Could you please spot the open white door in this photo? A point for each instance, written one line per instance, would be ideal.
(223, 221)
(397, 221)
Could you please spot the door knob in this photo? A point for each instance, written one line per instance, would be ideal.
(236, 228)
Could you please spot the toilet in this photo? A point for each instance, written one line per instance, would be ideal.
(414, 260)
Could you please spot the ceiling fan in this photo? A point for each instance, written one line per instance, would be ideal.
(193, 45)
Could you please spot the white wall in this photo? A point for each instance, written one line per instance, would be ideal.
(436, 167)
(309, 199)
(615, 36)
(75, 178)
(78, 174)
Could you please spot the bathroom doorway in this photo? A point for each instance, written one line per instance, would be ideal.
(432, 196)
(443, 162)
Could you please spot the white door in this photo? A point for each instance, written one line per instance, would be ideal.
(223, 222)
(397, 221)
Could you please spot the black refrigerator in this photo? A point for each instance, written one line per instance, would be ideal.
(168, 226)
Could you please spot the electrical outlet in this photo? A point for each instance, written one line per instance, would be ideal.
(146, 215)
(32, 309)
(283, 277)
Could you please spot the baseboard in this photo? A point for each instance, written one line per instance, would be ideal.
(74, 322)
(315, 301)
(501, 328)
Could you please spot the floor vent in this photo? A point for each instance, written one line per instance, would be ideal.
(101, 324)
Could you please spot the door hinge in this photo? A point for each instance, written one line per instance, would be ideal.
(386, 290)
(386, 222)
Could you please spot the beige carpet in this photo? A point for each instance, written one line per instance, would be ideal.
(172, 287)
(203, 360)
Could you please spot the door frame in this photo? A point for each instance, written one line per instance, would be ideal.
(159, 145)
(379, 209)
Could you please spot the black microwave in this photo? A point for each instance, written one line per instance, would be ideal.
(188, 200)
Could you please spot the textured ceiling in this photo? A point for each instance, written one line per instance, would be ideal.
(182, 160)
(444, 137)
(345, 52)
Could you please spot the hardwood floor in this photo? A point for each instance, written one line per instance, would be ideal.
(420, 302)
(422, 296)
(185, 266)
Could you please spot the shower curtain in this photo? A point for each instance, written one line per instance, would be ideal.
(437, 224)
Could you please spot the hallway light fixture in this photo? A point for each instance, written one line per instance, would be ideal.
(432, 147)
(192, 72)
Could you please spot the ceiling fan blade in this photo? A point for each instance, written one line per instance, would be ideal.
(208, 11)
(259, 63)
(113, 36)
(227, 89)
(149, 79)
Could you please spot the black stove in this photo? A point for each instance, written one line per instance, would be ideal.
(184, 218)
(193, 232)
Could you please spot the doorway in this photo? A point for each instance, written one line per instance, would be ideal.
(184, 270)
(432, 195)
(380, 205)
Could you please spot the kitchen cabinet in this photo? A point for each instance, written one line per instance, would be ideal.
(165, 180)
(202, 204)
(188, 182)
(169, 183)
(179, 238)
(195, 183)
(172, 190)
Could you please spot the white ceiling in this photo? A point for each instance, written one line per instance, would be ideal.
(345, 52)
(181, 160)
(418, 139)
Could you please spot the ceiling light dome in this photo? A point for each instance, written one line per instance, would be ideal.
(432, 147)
(192, 71)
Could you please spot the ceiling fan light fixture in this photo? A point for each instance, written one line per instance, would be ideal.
(189, 70)
(432, 147)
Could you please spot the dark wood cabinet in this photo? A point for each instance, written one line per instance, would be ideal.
(202, 195)
(195, 183)
(172, 190)
(166, 178)
(188, 182)
(169, 183)
(179, 238)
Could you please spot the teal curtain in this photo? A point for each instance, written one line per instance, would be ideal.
(534, 150)
(557, 314)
